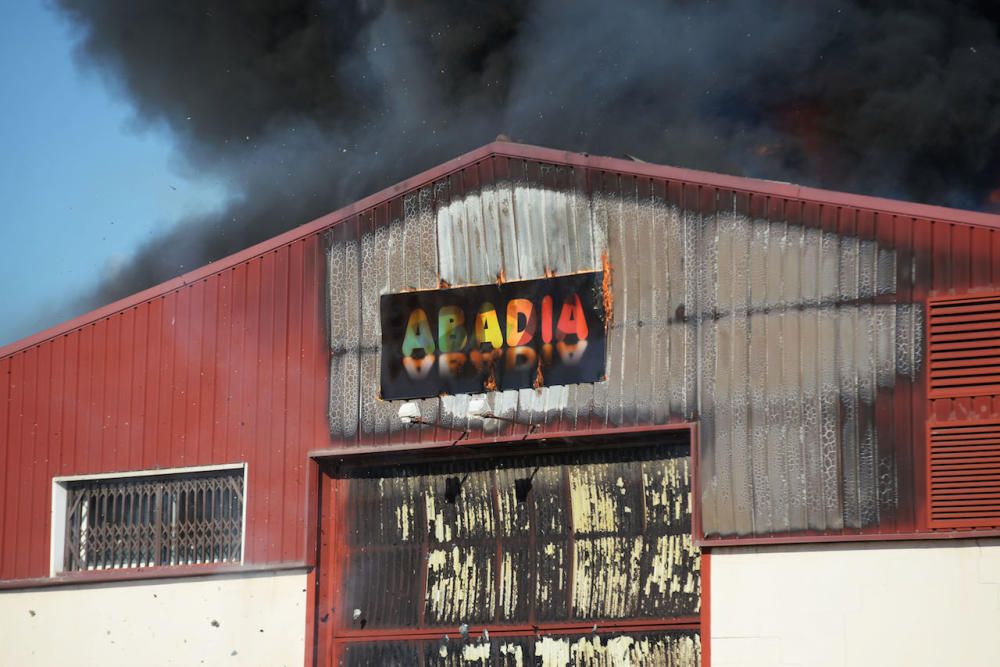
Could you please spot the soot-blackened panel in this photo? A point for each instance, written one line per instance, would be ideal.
(604, 534)
(676, 648)
(791, 331)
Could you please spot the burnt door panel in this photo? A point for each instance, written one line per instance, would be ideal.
(571, 536)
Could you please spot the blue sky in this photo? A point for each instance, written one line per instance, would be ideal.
(82, 183)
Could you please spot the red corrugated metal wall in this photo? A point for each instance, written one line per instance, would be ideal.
(230, 368)
(235, 365)
(962, 259)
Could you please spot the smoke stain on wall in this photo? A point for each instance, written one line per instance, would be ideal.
(497, 553)
(778, 337)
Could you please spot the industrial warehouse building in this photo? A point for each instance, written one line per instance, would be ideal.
(527, 408)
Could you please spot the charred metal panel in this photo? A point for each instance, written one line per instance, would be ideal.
(676, 648)
(783, 329)
(493, 222)
(516, 540)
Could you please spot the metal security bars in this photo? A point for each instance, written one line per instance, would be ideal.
(164, 520)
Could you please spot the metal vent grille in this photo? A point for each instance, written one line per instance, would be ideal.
(964, 475)
(170, 520)
(964, 339)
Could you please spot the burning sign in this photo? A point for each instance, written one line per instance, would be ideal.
(514, 335)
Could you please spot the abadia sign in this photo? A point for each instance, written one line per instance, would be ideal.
(514, 335)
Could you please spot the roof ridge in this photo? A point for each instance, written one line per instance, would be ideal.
(504, 148)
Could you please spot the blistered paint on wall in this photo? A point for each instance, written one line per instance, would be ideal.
(653, 649)
(459, 583)
(622, 651)
(550, 537)
(778, 335)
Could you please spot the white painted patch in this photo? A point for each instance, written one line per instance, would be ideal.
(253, 619)
(919, 604)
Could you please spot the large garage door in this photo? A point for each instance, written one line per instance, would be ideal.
(565, 556)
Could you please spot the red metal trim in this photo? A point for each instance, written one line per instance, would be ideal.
(749, 185)
(145, 573)
(444, 446)
(326, 584)
(697, 532)
(931, 423)
(706, 608)
(339, 556)
(974, 294)
(814, 538)
(313, 509)
(523, 152)
(627, 625)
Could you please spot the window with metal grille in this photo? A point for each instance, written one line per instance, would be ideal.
(183, 518)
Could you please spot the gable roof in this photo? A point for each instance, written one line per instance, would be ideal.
(526, 152)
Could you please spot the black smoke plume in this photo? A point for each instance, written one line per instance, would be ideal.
(301, 106)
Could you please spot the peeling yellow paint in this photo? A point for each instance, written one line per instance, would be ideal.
(630, 554)
(469, 516)
(514, 654)
(606, 579)
(620, 651)
(476, 653)
(552, 652)
(404, 517)
(546, 589)
(459, 585)
(661, 481)
(674, 558)
(509, 586)
(595, 505)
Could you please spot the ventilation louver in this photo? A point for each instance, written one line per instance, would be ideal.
(964, 474)
(964, 346)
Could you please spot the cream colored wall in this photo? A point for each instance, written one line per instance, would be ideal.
(249, 619)
(913, 604)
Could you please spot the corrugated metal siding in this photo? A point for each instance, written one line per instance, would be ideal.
(671, 648)
(231, 368)
(238, 366)
(791, 331)
(596, 535)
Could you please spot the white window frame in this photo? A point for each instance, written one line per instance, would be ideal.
(57, 538)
